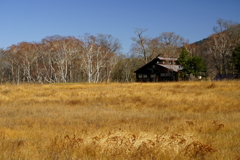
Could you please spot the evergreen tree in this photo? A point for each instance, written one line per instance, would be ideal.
(236, 58)
(197, 65)
(191, 65)
(184, 60)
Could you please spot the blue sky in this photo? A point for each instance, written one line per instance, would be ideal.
(33, 20)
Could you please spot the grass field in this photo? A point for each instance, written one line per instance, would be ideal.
(180, 120)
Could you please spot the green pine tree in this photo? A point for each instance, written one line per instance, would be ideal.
(197, 65)
(184, 61)
(191, 65)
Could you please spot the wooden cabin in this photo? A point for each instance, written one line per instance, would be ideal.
(159, 69)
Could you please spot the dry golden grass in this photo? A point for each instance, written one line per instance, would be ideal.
(182, 120)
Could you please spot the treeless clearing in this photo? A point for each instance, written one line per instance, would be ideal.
(180, 120)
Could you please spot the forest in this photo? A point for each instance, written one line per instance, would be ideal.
(98, 58)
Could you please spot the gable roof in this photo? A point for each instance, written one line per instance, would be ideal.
(145, 65)
(172, 67)
(167, 59)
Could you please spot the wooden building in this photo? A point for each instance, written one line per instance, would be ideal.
(220, 77)
(159, 69)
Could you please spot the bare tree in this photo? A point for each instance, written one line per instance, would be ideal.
(222, 25)
(14, 62)
(140, 45)
(170, 44)
(108, 58)
(98, 55)
(153, 48)
(219, 46)
(167, 45)
(194, 49)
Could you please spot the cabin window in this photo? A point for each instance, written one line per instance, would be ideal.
(152, 75)
(145, 76)
(167, 74)
(139, 76)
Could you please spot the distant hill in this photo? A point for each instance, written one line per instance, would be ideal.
(233, 31)
(201, 41)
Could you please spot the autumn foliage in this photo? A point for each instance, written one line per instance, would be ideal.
(61, 59)
(97, 58)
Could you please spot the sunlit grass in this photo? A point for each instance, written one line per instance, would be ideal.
(180, 120)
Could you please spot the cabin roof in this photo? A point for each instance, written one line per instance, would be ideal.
(175, 68)
(168, 59)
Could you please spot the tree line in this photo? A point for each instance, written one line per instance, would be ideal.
(58, 59)
(97, 58)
